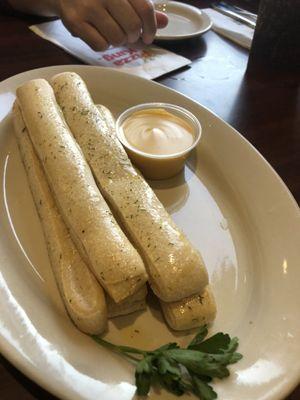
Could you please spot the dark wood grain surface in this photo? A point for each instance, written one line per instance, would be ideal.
(264, 106)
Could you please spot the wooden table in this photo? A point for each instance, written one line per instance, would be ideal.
(264, 107)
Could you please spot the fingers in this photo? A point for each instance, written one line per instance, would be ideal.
(103, 22)
(127, 18)
(108, 28)
(87, 33)
(161, 19)
(146, 12)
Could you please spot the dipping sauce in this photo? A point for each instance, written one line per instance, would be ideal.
(158, 137)
(158, 132)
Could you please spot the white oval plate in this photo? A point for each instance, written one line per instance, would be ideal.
(232, 206)
(185, 22)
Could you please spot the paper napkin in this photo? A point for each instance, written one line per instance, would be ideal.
(236, 31)
(138, 59)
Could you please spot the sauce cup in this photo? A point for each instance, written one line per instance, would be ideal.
(162, 166)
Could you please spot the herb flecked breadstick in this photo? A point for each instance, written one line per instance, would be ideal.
(82, 295)
(136, 302)
(114, 261)
(191, 312)
(176, 269)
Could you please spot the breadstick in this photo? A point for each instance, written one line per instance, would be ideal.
(110, 255)
(136, 302)
(82, 295)
(176, 269)
(190, 312)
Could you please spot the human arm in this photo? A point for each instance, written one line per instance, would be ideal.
(101, 22)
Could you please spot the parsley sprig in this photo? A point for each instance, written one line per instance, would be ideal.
(181, 370)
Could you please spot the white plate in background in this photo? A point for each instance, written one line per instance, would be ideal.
(232, 206)
(185, 22)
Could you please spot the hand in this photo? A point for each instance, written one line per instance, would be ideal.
(101, 23)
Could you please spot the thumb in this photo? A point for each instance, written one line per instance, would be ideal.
(161, 19)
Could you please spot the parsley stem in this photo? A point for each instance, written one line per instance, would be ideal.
(120, 349)
(181, 370)
(135, 359)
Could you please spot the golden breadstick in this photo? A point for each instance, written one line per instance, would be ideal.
(81, 293)
(190, 312)
(176, 269)
(136, 302)
(102, 243)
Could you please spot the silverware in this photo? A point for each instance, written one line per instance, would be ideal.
(238, 10)
(235, 16)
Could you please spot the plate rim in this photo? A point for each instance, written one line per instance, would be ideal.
(20, 362)
(200, 32)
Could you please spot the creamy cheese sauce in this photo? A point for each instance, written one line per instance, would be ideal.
(157, 132)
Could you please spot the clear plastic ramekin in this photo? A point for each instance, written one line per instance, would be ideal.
(161, 166)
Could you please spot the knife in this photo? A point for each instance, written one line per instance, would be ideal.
(238, 10)
(235, 16)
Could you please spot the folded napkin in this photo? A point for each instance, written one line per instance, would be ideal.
(138, 59)
(230, 28)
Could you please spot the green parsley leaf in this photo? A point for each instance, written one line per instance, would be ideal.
(201, 335)
(167, 347)
(173, 385)
(143, 376)
(200, 363)
(182, 370)
(220, 343)
(215, 344)
(233, 345)
(165, 366)
(203, 390)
